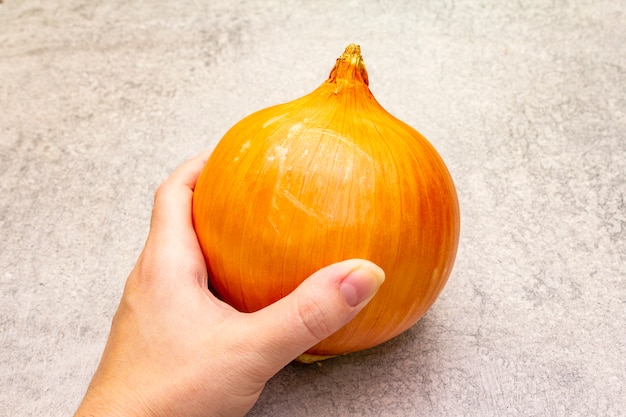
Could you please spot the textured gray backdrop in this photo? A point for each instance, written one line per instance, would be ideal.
(525, 100)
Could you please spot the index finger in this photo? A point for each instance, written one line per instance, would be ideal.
(171, 215)
(187, 173)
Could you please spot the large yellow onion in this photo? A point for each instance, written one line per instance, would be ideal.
(327, 177)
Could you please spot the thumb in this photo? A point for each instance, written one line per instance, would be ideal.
(319, 307)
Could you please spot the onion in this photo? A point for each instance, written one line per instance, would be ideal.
(324, 178)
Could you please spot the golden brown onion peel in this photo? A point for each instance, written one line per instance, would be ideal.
(324, 178)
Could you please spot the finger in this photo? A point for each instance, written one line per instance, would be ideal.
(319, 307)
(172, 245)
(188, 172)
(171, 215)
(172, 200)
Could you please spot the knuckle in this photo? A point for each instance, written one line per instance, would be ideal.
(315, 319)
(161, 190)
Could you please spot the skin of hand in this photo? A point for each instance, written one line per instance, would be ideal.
(174, 349)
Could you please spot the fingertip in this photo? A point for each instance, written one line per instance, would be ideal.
(362, 283)
(189, 171)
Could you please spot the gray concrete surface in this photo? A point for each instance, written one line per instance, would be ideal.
(525, 100)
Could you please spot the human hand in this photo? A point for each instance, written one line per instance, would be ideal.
(176, 350)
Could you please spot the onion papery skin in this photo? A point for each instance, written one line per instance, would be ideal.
(324, 178)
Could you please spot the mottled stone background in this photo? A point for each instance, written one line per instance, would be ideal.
(525, 100)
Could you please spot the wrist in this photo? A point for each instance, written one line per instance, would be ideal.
(106, 403)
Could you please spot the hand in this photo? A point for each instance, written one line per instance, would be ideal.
(176, 350)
